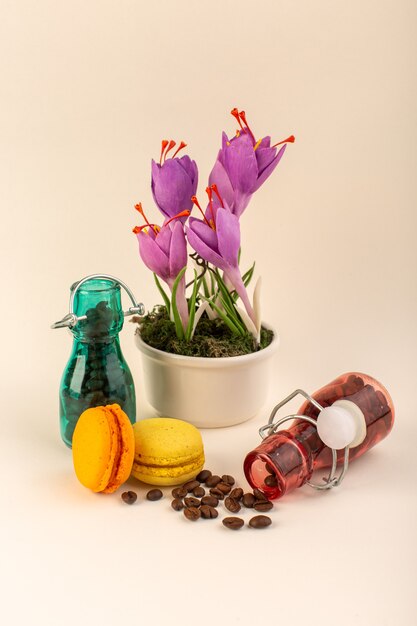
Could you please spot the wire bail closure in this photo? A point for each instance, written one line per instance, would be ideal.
(70, 320)
(272, 427)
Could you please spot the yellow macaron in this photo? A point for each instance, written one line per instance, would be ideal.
(167, 451)
(103, 448)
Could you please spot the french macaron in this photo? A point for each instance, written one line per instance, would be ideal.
(167, 451)
(103, 448)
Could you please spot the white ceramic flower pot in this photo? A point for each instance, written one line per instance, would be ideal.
(207, 392)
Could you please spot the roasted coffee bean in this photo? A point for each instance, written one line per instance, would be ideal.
(191, 513)
(271, 481)
(224, 488)
(154, 494)
(259, 495)
(199, 492)
(192, 484)
(213, 480)
(248, 500)
(203, 475)
(269, 468)
(229, 480)
(210, 500)
(179, 492)
(208, 512)
(177, 504)
(263, 506)
(232, 505)
(193, 502)
(234, 523)
(260, 521)
(129, 497)
(236, 493)
(217, 493)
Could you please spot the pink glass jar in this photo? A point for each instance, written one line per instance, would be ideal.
(286, 460)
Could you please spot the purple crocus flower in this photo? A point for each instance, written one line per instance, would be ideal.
(174, 181)
(218, 243)
(243, 165)
(164, 252)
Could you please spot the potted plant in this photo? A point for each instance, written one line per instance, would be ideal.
(207, 355)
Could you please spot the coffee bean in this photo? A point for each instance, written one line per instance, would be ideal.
(203, 475)
(248, 500)
(270, 468)
(208, 512)
(236, 493)
(192, 502)
(262, 506)
(199, 492)
(177, 504)
(129, 497)
(229, 480)
(192, 484)
(232, 505)
(217, 493)
(260, 521)
(210, 500)
(234, 523)
(224, 488)
(154, 494)
(259, 495)
(213, 480)
(192, 514)
(179, 492)
(271, 481)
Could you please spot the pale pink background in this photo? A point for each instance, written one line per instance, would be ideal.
(87, 91)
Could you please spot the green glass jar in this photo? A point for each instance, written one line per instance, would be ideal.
(96, 373)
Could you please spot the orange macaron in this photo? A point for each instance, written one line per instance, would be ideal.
(103, 448)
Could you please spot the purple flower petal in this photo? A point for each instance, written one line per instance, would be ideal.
(240, 164)
(269, 169)
(205, 232)
(172, 186)
(178, 249)
(219, 177)
(205, 251)
(228, 236)
(163, 238)
(152, 255)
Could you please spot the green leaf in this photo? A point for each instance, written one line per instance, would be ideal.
(223, 289)
(191, 306)
(246, 278)
(177, 319)
(163, 294)
(205, 287)
(235, 317)
(224, 317)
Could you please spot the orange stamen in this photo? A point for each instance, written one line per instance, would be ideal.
(216, 191)
(197, 204)
(164, 145)
(182, 214)
(289, 139)
(180, 147)
(172, 143)
(235, 114)
(242, 116)
(209, 192)
(139, 229)
(154, 227)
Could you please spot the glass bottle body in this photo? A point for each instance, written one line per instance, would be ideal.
(96, 373)
(287, 459)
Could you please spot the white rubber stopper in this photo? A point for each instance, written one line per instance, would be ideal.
(336, 426)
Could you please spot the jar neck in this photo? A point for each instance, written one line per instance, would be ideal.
(279, 465)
